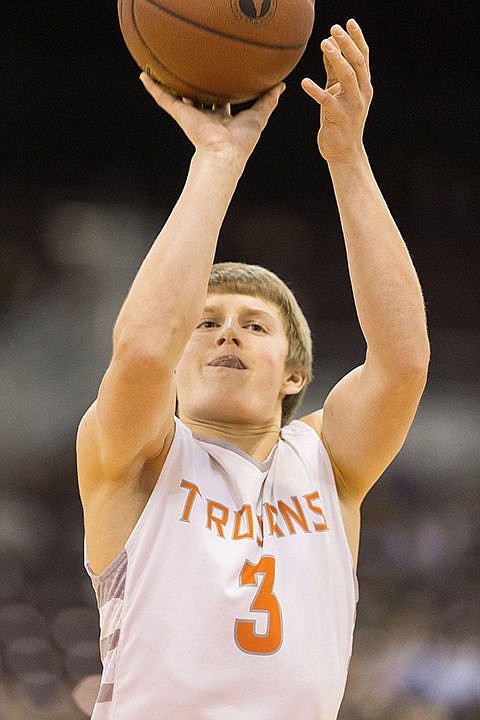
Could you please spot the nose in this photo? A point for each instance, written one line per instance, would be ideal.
(228, 333)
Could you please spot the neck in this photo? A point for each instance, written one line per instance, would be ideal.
(255, 440)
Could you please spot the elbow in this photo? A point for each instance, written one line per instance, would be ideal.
(417, 375)
(137, 353)
(420, 360)
(159, 344)
(405, 366)
(412, 367)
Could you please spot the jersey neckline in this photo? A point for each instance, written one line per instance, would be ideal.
(262, 466)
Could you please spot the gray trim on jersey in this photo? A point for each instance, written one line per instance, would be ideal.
(109, 643)
(105, 694)
(262, 466)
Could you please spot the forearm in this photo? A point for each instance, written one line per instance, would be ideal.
(168, 292)
(387, 293)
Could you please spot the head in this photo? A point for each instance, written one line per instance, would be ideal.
(254, 281)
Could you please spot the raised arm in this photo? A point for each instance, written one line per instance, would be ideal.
(123, 437)
(367, 415)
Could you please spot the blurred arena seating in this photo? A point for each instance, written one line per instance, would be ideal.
(417, 644)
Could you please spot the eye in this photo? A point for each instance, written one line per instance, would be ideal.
(207, 324)
(256, 327)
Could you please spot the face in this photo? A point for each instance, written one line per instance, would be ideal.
(233, 367)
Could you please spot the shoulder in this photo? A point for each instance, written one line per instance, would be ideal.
(314, 421)
(305, 438)
(305, 429)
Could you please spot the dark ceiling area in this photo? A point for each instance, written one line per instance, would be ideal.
(74, 115)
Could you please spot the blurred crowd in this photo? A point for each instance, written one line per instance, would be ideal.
(417, 646)
(416, 652)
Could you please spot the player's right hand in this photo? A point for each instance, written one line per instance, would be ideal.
(216, 130)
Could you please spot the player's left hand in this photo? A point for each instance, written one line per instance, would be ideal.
(345, 101)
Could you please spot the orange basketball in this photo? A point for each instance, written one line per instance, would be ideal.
(217, 51)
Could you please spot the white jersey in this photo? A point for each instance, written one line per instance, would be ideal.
(234, 597)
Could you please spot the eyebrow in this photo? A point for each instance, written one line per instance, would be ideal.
(244, 310)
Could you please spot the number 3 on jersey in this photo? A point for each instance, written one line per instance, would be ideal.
(261, 575)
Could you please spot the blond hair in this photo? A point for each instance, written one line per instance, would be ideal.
(244, 279)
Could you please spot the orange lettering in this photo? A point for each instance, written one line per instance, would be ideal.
(220, 522)
(260, 525)
(310, 498)
(238, 519)
(271, 511)
(261, 576)
(298, 516)
(192, 492)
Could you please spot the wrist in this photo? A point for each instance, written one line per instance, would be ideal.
(354, 162)
(214, 175)
(225, 162)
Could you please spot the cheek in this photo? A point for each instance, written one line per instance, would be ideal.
(273, 365)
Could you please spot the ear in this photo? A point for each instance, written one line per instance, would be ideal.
(293, 382)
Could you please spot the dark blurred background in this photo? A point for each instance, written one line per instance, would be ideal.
(90, 169)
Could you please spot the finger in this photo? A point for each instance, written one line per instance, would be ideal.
(323, 97)
(329, 69)
(265, 105)
(354, 55)
(271, 97)
(225, 110)
(358, 38)
(179, 109)
(342, 69)
(162, 97)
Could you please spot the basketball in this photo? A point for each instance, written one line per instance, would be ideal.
(216, 51)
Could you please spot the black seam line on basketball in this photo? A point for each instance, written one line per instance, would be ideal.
(257, 43)
(205, 91)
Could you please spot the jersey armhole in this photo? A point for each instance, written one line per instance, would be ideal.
(305, 427)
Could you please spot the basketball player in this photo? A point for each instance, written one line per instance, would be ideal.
(222, 541)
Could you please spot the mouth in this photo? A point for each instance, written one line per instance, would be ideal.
(228, 361)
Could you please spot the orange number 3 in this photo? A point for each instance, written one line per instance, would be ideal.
(265, 602)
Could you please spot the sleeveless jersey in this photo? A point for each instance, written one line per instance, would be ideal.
(234, 597)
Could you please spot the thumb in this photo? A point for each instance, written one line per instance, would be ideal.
(168, 102)
(324, 98)
(265, 105)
